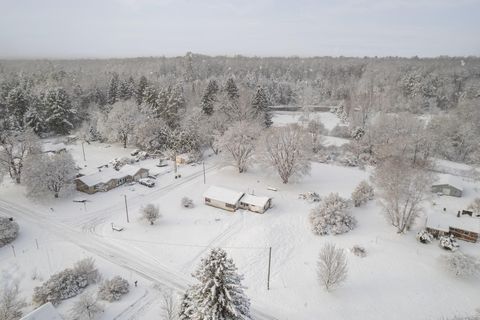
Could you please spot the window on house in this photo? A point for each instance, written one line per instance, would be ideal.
(228, 205)
(207, 200)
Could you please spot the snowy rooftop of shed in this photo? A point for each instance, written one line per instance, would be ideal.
(44, 312)
(450, 180)
(443, 221)
(255, 200)
(223, 194)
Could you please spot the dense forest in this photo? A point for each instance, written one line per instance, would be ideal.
(177, 94)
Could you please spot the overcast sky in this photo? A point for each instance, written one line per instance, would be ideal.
(130, 28)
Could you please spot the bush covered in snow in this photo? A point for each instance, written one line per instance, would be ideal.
(341, 131)
(330, 216)
(86, 307)
(359, 251)
(448, 243)
(187, 202)
(114, 289)
(67, 283)
(151, 213)
(424, 236)
(8, 231)
(362, 193)
(461, 264)
(475, 207)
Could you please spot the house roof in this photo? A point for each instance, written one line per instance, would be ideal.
(255, 200)
(103, 176)
(223, 194)
(450, 180)
(108, 174)
(44, 312)
(130, 170)
(53, 147)
(443, 221)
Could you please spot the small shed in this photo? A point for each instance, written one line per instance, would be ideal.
(45, 312)
(255, 203)
(449, 186)
(223, 198)
(134, 173)
(464, 227)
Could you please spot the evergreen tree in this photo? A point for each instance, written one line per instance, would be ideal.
(17, 105)
(186, 307)
(113, 90)
(35, 116)
(219, 295)
(260, 107)
(139, 92)
(59, 112)
(209, 97)
(150, 98)
(125, 89)
(231, 89)
(175, 103)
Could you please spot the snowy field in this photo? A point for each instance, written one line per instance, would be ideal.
(399, 278)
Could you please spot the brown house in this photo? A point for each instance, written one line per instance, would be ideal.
(109, 178)
(464, 227)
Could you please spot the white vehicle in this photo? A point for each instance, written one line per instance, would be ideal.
(147, 182)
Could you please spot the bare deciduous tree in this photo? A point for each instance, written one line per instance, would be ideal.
(87, 307)
(332, 266)
(14, 148)
(121, 122)
(10, 302)
(402, 189)
(151, 213)
(287, 150)
(238, 143)
(169, 306)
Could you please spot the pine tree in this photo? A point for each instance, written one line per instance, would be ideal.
(209, 97)
(260, 107)
(231, 89)
(186, 307)
(113, 90)
(59, 112)
(176, 102)
(125, 90)
(139, 92)
(219, 295)
(17, 105)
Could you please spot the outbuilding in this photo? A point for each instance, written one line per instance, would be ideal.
(463, 227)
(255, 203)
(223, 198)
(449, 186)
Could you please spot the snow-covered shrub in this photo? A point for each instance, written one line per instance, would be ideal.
(85, 268)
(8, 231)
(461, 264)
(357, 133)
(330, 216)
(448, 243)
(332, 266)
(114, 289)
(187, 202)
(341, 131)
(151, 213)
(474, 207)
(348, 159)
(362, 193)
(424, 236)
(359, 251)
(62, 285)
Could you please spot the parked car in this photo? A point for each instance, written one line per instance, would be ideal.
(134, 152)
(147, 182)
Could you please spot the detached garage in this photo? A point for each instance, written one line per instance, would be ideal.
(448, 186)
(255, 203)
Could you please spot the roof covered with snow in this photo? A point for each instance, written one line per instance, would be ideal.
(130, 170)
(53, 147)
(453, 181)
(223, 195)
(44, 312)
(103, 176)
(255, 200)
(443, 221)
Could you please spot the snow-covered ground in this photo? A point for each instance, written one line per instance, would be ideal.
(399, 278)
(281, 118)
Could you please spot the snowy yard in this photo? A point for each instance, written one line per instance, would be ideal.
(399, 276)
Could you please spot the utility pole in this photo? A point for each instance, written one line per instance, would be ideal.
(204, 176)
(269, 263)
(36, 242)
(13, 249)
(83, 149)
(126, 207)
